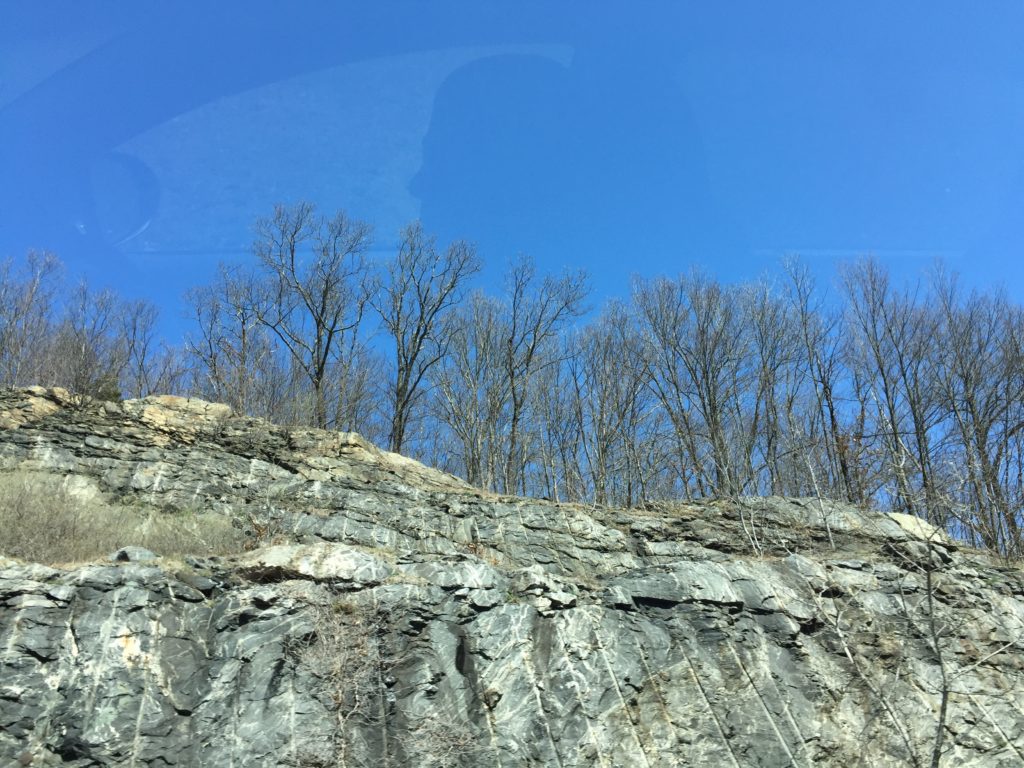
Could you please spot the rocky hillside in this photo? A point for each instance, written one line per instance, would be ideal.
(374, 612)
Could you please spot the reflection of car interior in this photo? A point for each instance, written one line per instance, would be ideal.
(83, 192)
(125, 193)
(530, 127)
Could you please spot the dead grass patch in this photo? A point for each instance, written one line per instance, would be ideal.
(43, 519)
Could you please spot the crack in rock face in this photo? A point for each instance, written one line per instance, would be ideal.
(379, 612)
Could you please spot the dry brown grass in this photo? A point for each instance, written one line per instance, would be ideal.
(44, 519)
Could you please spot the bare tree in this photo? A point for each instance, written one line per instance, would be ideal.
(27, 302)
(555, 434)
(313, 290)
(611, 405)
(696, 353)
(981, 372)
(775, 353)
(537, 311)
(151, 365)
(94, 343)
(89, 352)
(818, 329)
(422, 284)
(236, 362)
(357, 390)
(472, 391)
(902, 396)
(894, 350)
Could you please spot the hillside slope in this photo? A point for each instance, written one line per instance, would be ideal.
(386, 614)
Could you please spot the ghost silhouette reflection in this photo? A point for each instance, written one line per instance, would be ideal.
(582, 165)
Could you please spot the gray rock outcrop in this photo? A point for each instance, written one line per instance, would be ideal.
(391, 615)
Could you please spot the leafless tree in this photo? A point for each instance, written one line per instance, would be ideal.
(472, 392)
(779, 371)
(357, 390)
(422, 284)
(92, 342)
(662, 314)
(982, 381)
(893, 342)
(152, 367)
(696, 358)
(554, 432)
(312, 289)
(89, 353)
(821, 342)
(485, 383)
(27, 302)
(538, 308)
(911, 398)
(234, 354)
(612, 404)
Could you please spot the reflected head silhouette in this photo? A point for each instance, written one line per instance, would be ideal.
(582, 163)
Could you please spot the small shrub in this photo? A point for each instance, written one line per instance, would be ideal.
(355, 676)
(265, 527)
(345, 658)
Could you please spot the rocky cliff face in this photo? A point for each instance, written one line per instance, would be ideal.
(394, 616)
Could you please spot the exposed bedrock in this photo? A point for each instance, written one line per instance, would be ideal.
(391, 615)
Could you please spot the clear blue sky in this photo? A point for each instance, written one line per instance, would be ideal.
(139, 140)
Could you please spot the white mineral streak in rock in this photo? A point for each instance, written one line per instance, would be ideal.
(319, 562)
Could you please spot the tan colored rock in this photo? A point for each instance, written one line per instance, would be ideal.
(37, 403)
(922, 529)
(182, 417)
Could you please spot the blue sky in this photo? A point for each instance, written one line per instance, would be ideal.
(139, 141)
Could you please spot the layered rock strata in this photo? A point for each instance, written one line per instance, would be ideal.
(394, 616)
